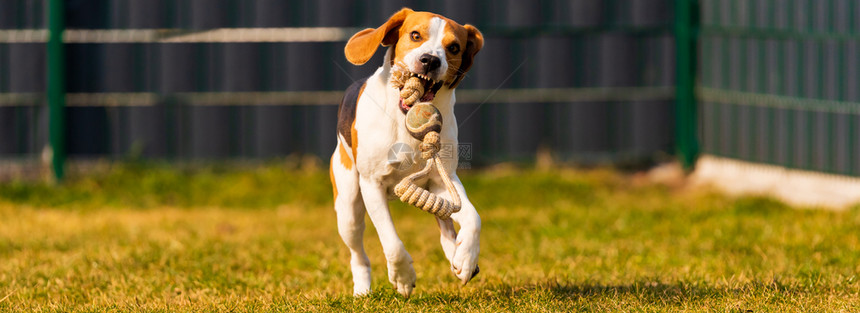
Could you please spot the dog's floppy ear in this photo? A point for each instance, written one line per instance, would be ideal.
(361, 47)
(473, 45)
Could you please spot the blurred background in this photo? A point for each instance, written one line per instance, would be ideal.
(592, 81)
(196, 135)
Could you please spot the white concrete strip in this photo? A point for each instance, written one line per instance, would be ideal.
(796, 187)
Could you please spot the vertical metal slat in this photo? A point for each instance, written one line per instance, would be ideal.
(57, 86)
(685, 102)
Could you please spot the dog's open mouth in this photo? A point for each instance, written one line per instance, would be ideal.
(430, 88)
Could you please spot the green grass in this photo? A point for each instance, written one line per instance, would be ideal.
(146, 237)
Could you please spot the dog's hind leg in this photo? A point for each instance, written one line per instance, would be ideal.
(350, 218)
(400, 271)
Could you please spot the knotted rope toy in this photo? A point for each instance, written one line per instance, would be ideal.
(424, 122)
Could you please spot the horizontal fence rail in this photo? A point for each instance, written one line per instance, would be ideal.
(331, 98)
(296, 34)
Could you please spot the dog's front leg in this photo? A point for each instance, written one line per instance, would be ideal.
(463, 251)
(447, 232)
(400, 271)
(447, 235)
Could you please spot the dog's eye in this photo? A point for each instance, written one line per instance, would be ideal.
(415, 36)
(454, 48)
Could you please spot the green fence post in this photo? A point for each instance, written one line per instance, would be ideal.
(56, 64)
(686, 138)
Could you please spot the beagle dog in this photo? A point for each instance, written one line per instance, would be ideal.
(369, 159)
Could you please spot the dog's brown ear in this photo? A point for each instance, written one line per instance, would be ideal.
(473, 45)
(361, 47)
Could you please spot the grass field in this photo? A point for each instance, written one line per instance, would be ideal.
(264, 238)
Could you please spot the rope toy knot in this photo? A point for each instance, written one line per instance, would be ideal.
(411, 87)
(412, 90)
(430, 145)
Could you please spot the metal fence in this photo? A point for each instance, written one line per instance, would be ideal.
(769, 81)
(779, 82)
(199, 79)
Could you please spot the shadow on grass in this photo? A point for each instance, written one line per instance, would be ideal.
(560, 296)
(576, 292)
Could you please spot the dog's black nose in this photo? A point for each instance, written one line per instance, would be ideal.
(429, 62)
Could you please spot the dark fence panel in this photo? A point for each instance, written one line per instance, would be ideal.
(132, 96)
(779, 82)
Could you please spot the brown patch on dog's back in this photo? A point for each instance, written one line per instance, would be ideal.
(346, 110)
(354, 143)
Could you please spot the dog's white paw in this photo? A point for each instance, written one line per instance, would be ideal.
(464, 264)
(360, 291)
(402, 275)
(360, 267)
(361, 282)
